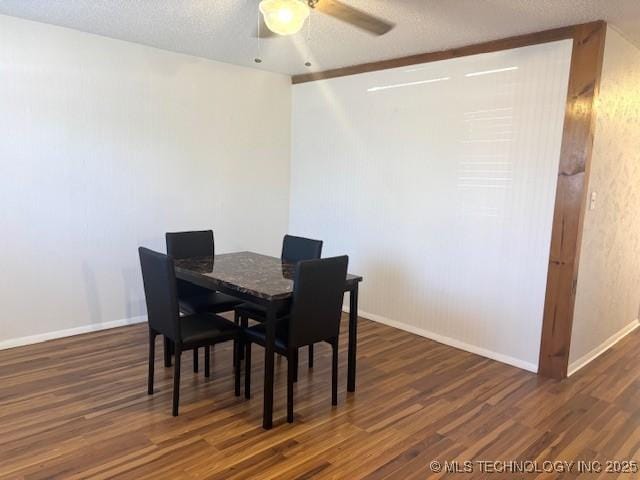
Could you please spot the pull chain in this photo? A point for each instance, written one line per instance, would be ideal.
(308, 63)
(258, 58)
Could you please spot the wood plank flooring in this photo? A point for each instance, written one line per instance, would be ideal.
(77, 408)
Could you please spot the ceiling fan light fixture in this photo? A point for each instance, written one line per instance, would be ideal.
(284, 17)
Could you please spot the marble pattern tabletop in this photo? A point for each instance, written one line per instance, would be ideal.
(262, 276)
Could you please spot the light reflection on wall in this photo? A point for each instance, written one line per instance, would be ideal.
(448, 246)
(485, 169)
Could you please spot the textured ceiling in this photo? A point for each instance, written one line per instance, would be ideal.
(222, 29)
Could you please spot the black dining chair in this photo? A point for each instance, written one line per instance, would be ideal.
(294, 250)
(187, 332)
(314, 317)
(193, 298)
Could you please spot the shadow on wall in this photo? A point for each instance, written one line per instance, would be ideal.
(133, 293)
(134, 304)
(91, 293)
(398, 292)
(382, 279)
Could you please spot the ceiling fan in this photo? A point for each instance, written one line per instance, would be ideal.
(286, 17)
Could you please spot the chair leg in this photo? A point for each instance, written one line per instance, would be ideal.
(152, 360)
(334, 373)
(167, 352)
(311, 356)
(238, 352)
(207, 358)
(195, 360)
(295, 367)
(247, 371)
(237, 348)
(291, 368)
(176, 380)
(244, 323)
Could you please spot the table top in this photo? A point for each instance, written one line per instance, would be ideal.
(248, 273)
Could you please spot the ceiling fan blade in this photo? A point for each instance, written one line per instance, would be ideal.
(263, 31)
(355, 17)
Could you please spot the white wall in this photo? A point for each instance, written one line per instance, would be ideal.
(105, 146)
(608, 290)
(441, 192)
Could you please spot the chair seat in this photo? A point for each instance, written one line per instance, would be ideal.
(258, 334)
(258, 312)
(209, 302)
(201, 327)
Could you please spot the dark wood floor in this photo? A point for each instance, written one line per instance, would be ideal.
(78, 408)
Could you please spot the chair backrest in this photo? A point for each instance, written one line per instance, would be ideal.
(190, 244)
(159, 278)
(318, 290)
(296, 249)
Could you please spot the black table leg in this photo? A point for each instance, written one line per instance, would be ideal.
(269, 352)
(353, 339)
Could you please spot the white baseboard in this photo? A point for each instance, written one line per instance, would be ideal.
(43, 337)
(452, 342)
(603, 347)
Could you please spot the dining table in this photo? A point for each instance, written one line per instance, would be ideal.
(266, 281)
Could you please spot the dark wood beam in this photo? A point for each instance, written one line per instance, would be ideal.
(536, 38)
(571, 197)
